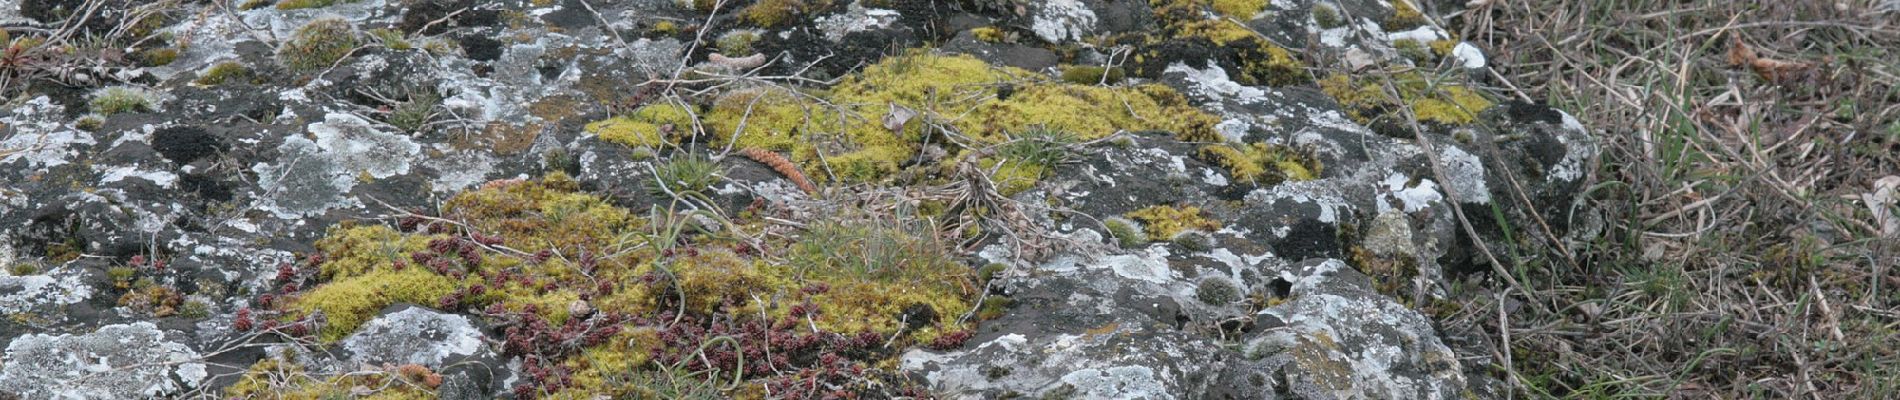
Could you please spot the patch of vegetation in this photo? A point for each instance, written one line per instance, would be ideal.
(415, 113)
(1218, 291)
(1366, 99)
(1163, 222)
(1326, 16)
(157, 57)
(778, 13)
(1125, 232)
(122, 99)
(989, 34)
(1404, 17)
(224, 72)
(604, 303)
(90, 122)
(652, 126)
(737, 43)
(318, 44)
(1239, 9)
(684, 174)
(1188, 29)
(976, 99)
(1261, 163)
(1092, 75)
(304, 4)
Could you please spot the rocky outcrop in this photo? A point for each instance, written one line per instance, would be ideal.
(1276, 240)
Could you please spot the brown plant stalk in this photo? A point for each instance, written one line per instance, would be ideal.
(782, 166)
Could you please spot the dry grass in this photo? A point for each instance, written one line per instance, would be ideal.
(1738, 261)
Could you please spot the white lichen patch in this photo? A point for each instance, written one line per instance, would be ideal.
(354, 143)
(1323, 193)
(24, 294)
(414, 336)
(1468, 55)
(39, 136)
(855, 18)
(1464, 175)
(114, 362)
(310, 177)
(1576, 151)
(1119, 382)
(460, 170)
(164, 179)
(1058, 21)
(1410, 198)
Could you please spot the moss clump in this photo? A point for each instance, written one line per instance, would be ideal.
(90, 122)
(1193, 240)
(157, 57)
(989, 34)
(553, 258)
(1126, 232)
(392, 39)
(1404, 17)
(1240, 9)
(777, 13)
(651, 126)
(1163, 222)
(224, 72)
(283, 378)
(1326, 16)
(1443, 47)
(1412, 49)
(1186, 29)
(1261, 163)
(122, 99)
(303, 4)
(1435, 102)
(415, 113)
(737, 43)
(845, 135)
(318, 44)
(1092, 75)
(1217, 291)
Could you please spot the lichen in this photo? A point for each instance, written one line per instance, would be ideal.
(1163, 222)
(651, 126)
(1186, 27)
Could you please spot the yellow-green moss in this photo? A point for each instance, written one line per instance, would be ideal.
(1261, 163)
(978, 100)
(1442, 47)
(1092, 75)
(1163, 222)
(1438, 102)
(1404, 17)
(775, 13)
(356, 250)
(1261, 61)
(1014, 177)
(158, 57)
(302, 4)
(1240, 9)
(1412, 49)
(643, 128)
(989, 34)
(280, 379)
(737, 43)
(224, 72)
(348, 303)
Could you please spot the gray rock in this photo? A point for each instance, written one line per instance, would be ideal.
(115, 362)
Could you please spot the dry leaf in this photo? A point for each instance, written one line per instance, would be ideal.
(1781, 72)
(1881, 202)
(747, 62)
(899, 115)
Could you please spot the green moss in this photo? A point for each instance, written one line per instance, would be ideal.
(23, 269)
(1442, 47)
(1239, 9)
(737, 43)
(349, 302)
(665, 28)
(844, 134)
(992, 307)
(157, 57)
(318, 44)
(254, 4)
(1126, 232)
(684, 174)
(1261, 61)
(1092, 75)
(777, 13)
(1163, 222)
(302, 4)
(122, 99)
(415, 113)
(90, 122)
(1014, 177)
(1261, 163)
(1437, 102)
(358, 250)
(1404, 17)
(1217, 291)
(1412, 49)
(989, 34)
(283, 378)
(224, 72)
(1326, 16)
(647, 126)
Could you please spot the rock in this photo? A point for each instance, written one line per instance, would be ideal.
(117, 361)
